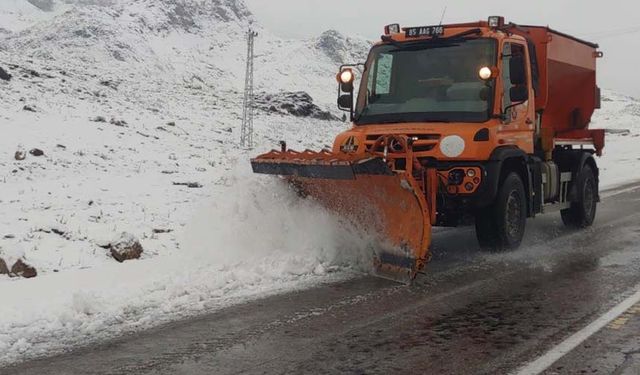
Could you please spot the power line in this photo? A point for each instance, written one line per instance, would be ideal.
(611, 32)
(248, 105)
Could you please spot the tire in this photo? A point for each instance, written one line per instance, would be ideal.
(582, 212)
(501, 226)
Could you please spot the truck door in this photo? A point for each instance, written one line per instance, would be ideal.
(516, 94)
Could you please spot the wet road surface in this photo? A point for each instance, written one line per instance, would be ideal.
(472, 313)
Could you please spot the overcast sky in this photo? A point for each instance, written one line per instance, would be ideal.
(614, 24)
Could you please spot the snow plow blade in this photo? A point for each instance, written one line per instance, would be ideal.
(389, 205)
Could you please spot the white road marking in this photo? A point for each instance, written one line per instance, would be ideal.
(542, 363)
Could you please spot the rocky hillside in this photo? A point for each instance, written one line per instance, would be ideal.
(153, 48)
(134, 107)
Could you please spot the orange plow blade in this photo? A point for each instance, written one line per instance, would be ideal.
(388, 204)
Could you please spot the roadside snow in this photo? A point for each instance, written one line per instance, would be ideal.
(249, 239)
(620, 116)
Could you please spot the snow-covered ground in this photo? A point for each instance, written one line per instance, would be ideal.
(620, 116)
(129, 101)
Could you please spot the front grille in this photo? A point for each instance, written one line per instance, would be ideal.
(423, 148)
(419, 137)
(422, 143)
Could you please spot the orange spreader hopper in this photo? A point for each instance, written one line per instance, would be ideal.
(368, 191)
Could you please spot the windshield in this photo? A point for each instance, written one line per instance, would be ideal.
(427, 81)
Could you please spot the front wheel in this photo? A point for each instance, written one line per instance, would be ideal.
(501, 226)
(582, 212)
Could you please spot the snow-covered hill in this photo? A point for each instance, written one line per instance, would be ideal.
(157, 49)
(171, 74)
(136, 106)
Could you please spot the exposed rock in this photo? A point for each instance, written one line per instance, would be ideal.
(160, 230)
(299, 104)
(189, 15)
(341, 49)
(118, 122)
(4, 270)
(192, 185)
(4, 75)
(36, 152)
(147, 135)
(171, 123)
(20, 155)
(111, 84)
(28, 108)
(99, 119)
(57, 231)
(15, 256)
(125, 247)
(20, 268)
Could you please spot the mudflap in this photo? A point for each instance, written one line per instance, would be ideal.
(388, 205)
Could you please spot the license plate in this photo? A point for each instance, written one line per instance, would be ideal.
(416, 32)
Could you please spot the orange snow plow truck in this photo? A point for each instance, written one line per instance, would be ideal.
(483, 122)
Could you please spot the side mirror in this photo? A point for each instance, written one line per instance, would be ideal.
(346, 87)
(346, 78)
(519, 94)
(516, 71)
(345, 101)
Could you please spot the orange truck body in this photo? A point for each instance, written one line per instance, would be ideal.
(398, 178)
(567, 67)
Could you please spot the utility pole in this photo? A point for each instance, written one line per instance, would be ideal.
(246, 134)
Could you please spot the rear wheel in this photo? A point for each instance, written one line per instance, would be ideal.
(501, 226)
(582, 212)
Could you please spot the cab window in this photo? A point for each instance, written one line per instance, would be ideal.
(380, 84)
(513, 70)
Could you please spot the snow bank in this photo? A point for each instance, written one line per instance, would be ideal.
(620, 116)
(252, 238)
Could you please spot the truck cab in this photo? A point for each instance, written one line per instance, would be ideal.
(484, 103)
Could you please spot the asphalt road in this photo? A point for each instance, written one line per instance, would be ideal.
(472, 313)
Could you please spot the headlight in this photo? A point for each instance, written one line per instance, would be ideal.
(394, 28)
(346, 76)
(456, 177)
(495, 22)
(484, 73)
